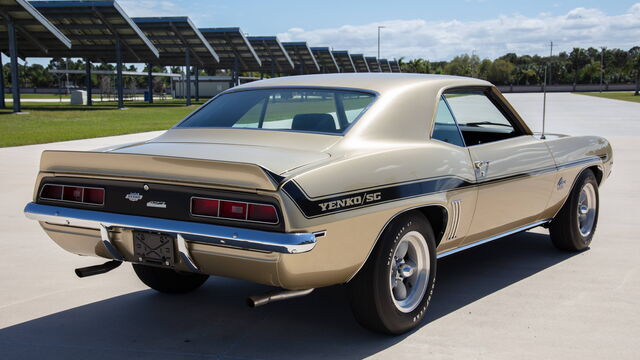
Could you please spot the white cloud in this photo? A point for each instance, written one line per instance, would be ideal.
(442, 40)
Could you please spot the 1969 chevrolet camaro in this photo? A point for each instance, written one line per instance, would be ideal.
(307, 181)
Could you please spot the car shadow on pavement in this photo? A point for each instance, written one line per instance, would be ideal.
(214, 322)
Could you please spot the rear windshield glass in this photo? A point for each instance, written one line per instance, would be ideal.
(312, 110)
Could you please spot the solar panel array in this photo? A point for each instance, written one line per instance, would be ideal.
(100, 30)
(174, 37)
(272, 54)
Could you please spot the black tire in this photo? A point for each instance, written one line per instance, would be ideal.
(168, 280)
(372, 299)
(565, 228)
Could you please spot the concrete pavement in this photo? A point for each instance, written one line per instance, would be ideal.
(514, 298)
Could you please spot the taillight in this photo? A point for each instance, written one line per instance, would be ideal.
(234, 210)
(262, 213)
(204, 207)
(78, 194)
(52, 192)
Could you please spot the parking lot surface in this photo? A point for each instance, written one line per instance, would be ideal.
(513, 298)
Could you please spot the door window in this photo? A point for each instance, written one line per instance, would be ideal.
(480, 121)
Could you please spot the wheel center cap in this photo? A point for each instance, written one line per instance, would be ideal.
(405, 270)
(584, 209)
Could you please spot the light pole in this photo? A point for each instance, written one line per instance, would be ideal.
(602, 67)
(379, 27)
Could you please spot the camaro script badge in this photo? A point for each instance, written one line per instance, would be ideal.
(157, 204)
(134, 196)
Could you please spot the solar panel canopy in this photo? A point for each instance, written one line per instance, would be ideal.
(325, 59)
(384, 65)
(173, 37)
(394, 65)
(344, 61)
(94, 27)
(273, 56)
(359, 63)
(372, 61)
(35, 35)
(302, 57)
(232, 48)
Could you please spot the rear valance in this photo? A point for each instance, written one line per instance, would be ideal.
(163, 168)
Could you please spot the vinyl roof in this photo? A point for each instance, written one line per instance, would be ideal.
(173, 36)
(325, 59)
(35, 35)
(373, 63)
(271, 53)
(93, 27)
(384, 65)
(231, 44)
(302, 57)
(344, 61)
(359, 63)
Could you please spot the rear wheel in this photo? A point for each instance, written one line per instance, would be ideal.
(168, 280)
(573, 227)
(392, 291)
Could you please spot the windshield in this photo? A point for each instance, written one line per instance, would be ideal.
(313, 110)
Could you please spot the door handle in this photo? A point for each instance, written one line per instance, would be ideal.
(481, 168)
(481, 164)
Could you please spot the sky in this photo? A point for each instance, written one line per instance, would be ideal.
(435, 30)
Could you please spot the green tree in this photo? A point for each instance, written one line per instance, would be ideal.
(501, 72)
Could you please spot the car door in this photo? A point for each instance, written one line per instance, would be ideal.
(450, 154)
(515, 171)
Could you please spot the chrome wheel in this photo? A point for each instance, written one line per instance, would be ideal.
(409, 272)
(586, 211)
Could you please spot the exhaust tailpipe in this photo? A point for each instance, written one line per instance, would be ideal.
(275, 295)
(97, 269)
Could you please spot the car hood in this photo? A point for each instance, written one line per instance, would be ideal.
(275, 151)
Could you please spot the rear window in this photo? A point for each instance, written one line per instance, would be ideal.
(311, 110)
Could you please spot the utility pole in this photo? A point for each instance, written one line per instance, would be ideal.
(550, 56)
(379, 27)
(602, 67)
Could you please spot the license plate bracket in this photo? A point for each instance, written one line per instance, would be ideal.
(154, 248)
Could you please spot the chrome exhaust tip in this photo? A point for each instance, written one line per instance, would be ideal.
(275, 295)
(97, 269)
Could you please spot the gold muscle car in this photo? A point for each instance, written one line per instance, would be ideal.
(307, 181)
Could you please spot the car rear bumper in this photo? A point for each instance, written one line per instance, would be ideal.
(247, 239)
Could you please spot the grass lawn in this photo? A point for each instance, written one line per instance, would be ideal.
(51, 122)
(626, 96)
(36, 96)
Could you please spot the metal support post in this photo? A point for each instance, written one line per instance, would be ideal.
(87, 80)
(187, 87)
(150, 82)
(119, 82)
(2, 103)
(13, 55)
(197, 84)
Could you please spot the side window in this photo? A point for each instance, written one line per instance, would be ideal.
(480, 121)
(444, 127)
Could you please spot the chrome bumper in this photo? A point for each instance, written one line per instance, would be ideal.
(287, 243)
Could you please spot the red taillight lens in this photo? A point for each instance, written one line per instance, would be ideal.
(72, 193)
(263, 213)
(204, 207)
(233, 210)
(52, 192)
(93, 196)
(79, 194)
